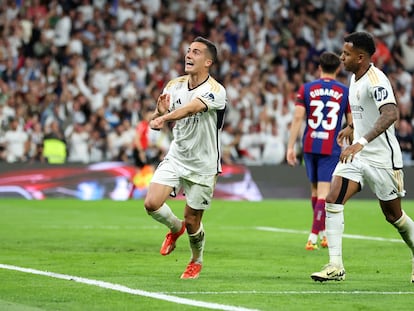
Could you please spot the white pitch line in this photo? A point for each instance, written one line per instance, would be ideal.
(311, 292)
(124, 289)
(349, 236)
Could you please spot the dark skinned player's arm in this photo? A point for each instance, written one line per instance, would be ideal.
(388, 115)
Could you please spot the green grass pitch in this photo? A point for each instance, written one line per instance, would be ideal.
(254, 258)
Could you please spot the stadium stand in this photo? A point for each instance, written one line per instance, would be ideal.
(87, 71)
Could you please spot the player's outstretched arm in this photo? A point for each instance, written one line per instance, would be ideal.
(193, 107)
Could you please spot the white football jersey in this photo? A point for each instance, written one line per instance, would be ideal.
(196, 144)
(366, 96)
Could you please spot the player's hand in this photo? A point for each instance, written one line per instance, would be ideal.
(163, 103)
(345, 135)
(348, 154)
(291, 157)
(157, 124)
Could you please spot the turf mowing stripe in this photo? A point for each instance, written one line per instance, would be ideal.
(349, 236)
(124, 289)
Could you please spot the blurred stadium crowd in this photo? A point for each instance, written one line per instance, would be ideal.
(79, 78)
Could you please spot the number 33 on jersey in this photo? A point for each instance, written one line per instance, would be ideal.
(326, 103)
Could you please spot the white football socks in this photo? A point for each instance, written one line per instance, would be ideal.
(334, 231)
(313, 238)
(165, 216)
(405, 226)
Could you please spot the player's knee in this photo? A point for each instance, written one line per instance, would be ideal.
(192, 224)
(150, 204)
(392, 216)
(335, 198)
(331, 198)
(334, 208)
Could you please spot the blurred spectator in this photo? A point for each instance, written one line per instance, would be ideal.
(141, 140)
(401, 21)
(124, 11)
(126, 35)
(382, 55)
(407, 50)
(402, 76)
(53, 151)
(15, 143)
(62, 29)
(230, 140)
(128, 136)
(405, 136)
(12, 10)
(274, 147)
(117, 142)
(404, 100)
(251, 145)
(77, 137)
(97, 146)
(3, 121)
(94, 95)
(35, 130)
(53, 148)
(87, 10)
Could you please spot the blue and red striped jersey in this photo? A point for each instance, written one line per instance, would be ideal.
(326, 103)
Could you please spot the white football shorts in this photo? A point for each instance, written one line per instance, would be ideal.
(198, 190)
(386, 183)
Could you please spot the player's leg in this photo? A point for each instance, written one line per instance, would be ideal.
(320, 190)
(314, 198)
(163, 183)
(198, 199)
(161, 212)
(325, 167)
(323, 190)
(196, 237)
(402, 222)
(341, 190)
(312, 243)
(389, 194)
(343, 186)
(311, 172)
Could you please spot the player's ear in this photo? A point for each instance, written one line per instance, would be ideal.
(209, 62)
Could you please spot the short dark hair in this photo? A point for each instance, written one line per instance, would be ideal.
(211, 47)
(329, 62)
(362, 40)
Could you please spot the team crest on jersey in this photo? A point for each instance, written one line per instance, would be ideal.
(209, 96)
(380, 93)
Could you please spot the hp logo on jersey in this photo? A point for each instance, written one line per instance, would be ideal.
(380, 94)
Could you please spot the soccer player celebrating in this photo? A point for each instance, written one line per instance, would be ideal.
(374, 158)
(196, 103)
(323, 104)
